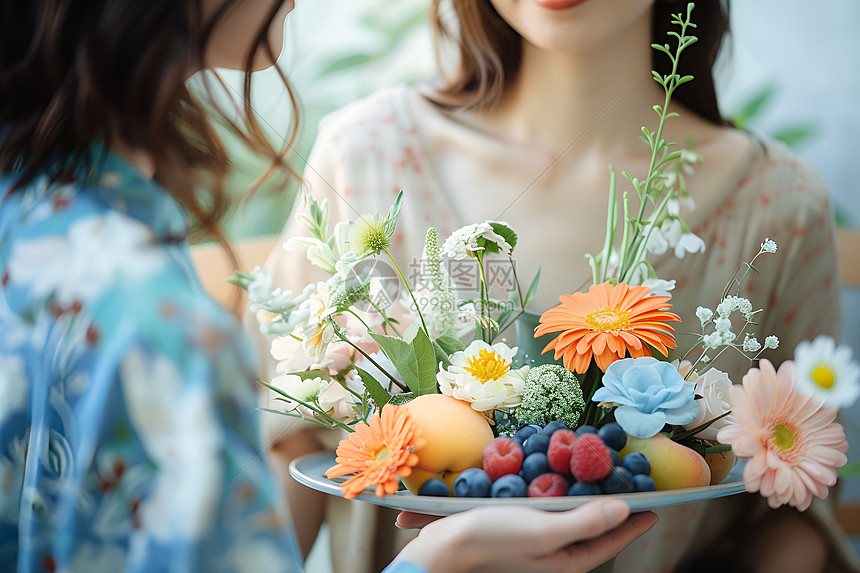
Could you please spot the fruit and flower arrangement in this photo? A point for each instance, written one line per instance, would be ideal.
(432, 397)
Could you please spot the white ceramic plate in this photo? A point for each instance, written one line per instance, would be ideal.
(310, 471)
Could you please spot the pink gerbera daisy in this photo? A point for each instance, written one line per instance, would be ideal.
(793, 445)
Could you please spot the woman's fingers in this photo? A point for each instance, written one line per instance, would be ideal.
(409, 520)
(589, 554)
(558, 530)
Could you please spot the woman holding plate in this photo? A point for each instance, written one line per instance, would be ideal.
(128, 436)
(544, 95)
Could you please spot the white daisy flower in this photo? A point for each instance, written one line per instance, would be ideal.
(482, 376)
(827, 371)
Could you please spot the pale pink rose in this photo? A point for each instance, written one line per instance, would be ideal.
(714, 387)
(338, 403)
(339, 356)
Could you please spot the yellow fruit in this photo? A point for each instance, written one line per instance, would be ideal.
(455, 435)
(721, 463)
(673, 466)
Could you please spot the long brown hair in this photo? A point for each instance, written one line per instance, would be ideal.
(491, 50)
(74, 73)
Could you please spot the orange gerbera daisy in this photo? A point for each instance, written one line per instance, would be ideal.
(607, 322)
(378, 453)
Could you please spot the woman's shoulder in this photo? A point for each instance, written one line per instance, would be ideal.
(69, 253)
(382, 115)
(778, 177)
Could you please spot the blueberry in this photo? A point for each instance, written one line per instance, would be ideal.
(434, 487)
(534, 465)
(473, 482)
(616, 460)
(550, 428)
(523, 433)
(579, 488)
(613, 436)
(586, 430)
(536, 443)
(644, 483)
(636, 463)
(509, 486)
(619, 480)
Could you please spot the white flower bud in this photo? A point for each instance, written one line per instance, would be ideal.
(704, 314)
(771, 342)
(751, 344)
(723, 324)
(769, 246)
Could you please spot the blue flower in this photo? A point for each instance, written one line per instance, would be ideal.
(651, 394)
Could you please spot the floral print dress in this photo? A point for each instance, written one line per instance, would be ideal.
(128, 438)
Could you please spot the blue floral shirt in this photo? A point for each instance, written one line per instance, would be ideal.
(128, 434)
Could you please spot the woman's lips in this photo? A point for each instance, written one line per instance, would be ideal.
(558, 4)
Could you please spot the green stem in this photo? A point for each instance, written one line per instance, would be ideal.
(409, 290)
(487, 333)
(309, 406)
(368, 357)
(611, 221)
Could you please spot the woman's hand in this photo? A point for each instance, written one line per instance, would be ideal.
(522, 539)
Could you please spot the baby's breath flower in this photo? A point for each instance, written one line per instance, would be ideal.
(705, 358)
(369, 236)
(723, 324)
(727, 306)
(745, 307)
(771, 342)
(704, 314)
(712, 340)
(769, 246)
(751, 344)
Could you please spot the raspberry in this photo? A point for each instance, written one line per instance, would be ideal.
(560, 448)
(502, 456)
(548, 485)
(590, 459)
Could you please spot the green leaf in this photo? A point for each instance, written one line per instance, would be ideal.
(753, 107)
(411, 331)
(450, 344)
(425, 358)
(393, 214)
(348, 62)
(378, 393)
(441, 356)
(506, 232)
(402, 356)
(793, 136)
(311, 374)
(530, 294)
(851, 470)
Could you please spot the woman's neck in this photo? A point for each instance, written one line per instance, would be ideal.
(557, 97)
(141, 160)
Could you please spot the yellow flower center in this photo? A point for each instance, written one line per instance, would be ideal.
(783, 437)
(381, 454)
(487, 366)
(823, 376)
(607, 319)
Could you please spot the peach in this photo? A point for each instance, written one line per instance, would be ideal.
(455, 435)
(721, 463)
(673, 466)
